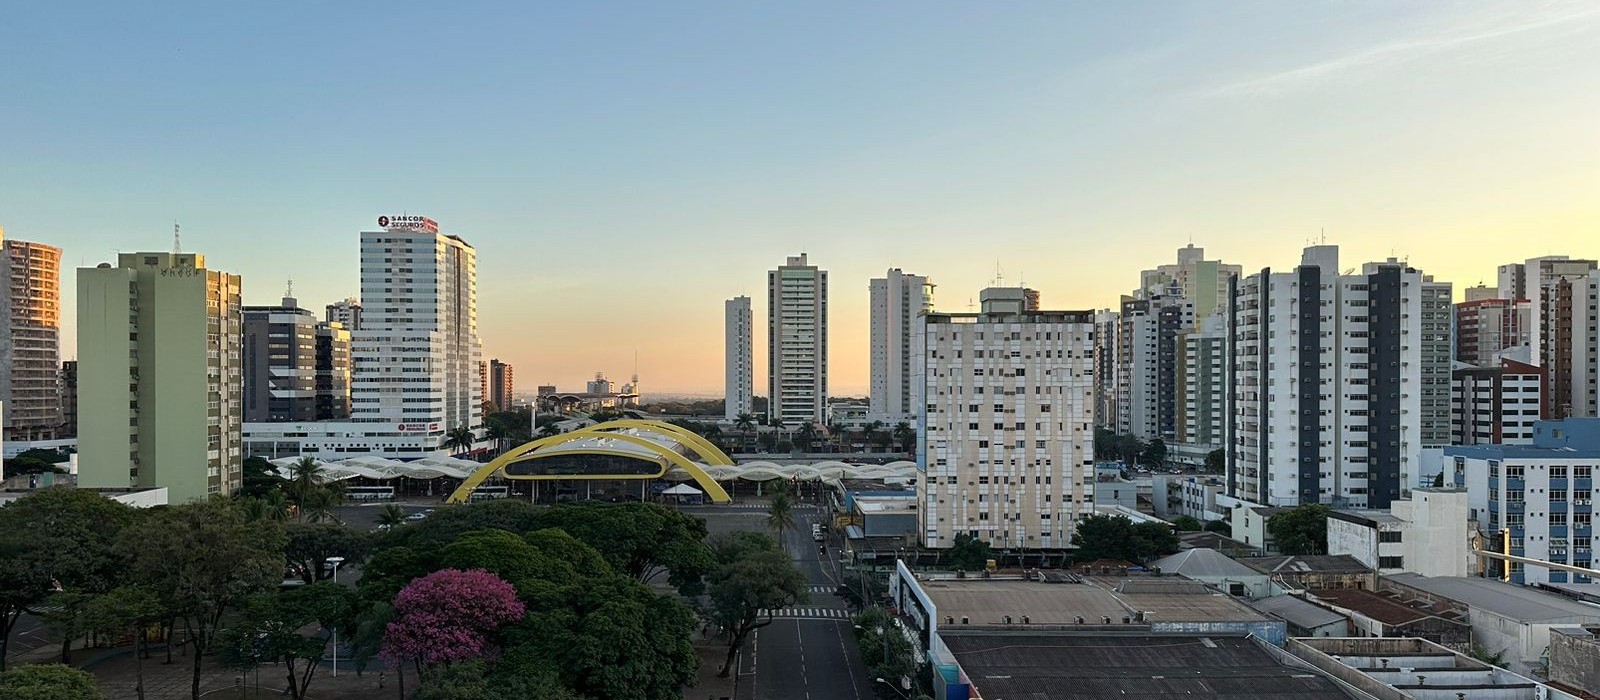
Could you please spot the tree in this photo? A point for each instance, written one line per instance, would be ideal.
(57, 542)
(270, 629)
(471, 680)
(1300, 530)
(446, 524)
(450, 615)
(204, 559)
(969, 554)
(498, 433)
(780, 511)
(260, 478)
(746, 424)
(806, 435)
(459, 439)
(753, 578)
(905, 434)
(309, 546)
(391, 516)
(1118, 538)
(128, 610)
(641, 540)
(1221, 527)
(1438, 480)
(1154, 455)
(1216, 461)
(1186, 523)
(48, 682)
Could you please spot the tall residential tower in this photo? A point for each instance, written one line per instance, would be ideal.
(897, 299)
(737, 356)
(30, 340)
(797, 342)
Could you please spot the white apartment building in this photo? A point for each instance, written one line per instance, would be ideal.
(160, 381)
(1339, 382)
(1564, 299)
(1107, 390)
(738, 373)
(797, 342)
(1539, 496)
(1006, 425)
(1494, 405)
(346, 312)
(1147, 359)
(896, 299)
(1203, 282)
(1425, 534)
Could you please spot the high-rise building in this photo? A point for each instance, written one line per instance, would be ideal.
(1494, 405)
(1202, 384)
(346, 313)
(738, 373)
(1203, 282)
(416, 351)
(1147, 350)
(69, 398)
(1339, 382)
(1541, 493)
(333, 371)
(280, 363)
(1563, 296)
(797, 342)
(502, 387)
(160, 376)
(1006, 427)
(1107, 391)
(896, 300)
(1486, 326)
(601, 385)
(30, 340)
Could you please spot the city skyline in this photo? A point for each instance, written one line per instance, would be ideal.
(1456, 135)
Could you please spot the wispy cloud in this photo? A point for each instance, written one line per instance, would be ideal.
(1462, 36)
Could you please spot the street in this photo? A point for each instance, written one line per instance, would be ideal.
(809, 651)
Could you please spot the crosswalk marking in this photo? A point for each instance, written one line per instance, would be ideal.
(810, 613)
(821, 589)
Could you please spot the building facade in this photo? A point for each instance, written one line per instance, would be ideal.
(1201, 378)
(30, 341)
(502, 385)
(896, 299)
(416, 353)
(1339, 381)
(1563, 296)
(1487, 326)
(797, 342)
(1006, 429)
(1203, 282)
(280, 363)
(1147, 365)
(346, 313)
(1494, 405)
(1540, 497)
(69, 398)
(738, 355)
(333, 365)
(160, 376)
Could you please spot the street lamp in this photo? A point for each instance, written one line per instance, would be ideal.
(335, 561)
(897, 690)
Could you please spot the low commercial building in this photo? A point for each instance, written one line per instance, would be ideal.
(1416, 669)
(1505, 618)
(1425, 534)
(1316, 572)
(1305, 619)
(1217, 569)
(1250, 525)
(1575, 658)
(1375, 615)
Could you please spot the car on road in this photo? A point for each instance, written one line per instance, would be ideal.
(816, 531)
(419, 515)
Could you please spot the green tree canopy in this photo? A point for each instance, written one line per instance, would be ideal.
(1216, 461)
(1119, 538)
(204, 559)
(48, 682)
(1154, 455)
(309, 546)
(969, 554)
(641, 540)
(1302, 530)
(753, 578)
(1186, 523)
(289, 628)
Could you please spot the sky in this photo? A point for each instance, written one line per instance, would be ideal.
(622, 168)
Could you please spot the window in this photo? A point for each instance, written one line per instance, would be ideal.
(1391, 562)
(1389, 536)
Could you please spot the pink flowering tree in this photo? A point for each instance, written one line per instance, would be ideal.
(449, 615)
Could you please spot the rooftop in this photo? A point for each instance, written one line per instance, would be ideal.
(1381, 607)
(1296, 611)
(1203, 563)
(1115, 666)
(1308, 564)
(1168, 599)
(1367, 517)
(1519, 603)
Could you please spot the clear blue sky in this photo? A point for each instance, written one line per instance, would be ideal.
(623, 168)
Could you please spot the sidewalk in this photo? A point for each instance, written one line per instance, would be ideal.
(708, 686)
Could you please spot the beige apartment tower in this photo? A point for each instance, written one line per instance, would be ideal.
(30, 340)
(1006, 398)
(160, 396)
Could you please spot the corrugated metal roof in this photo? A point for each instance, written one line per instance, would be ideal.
(1518, 603)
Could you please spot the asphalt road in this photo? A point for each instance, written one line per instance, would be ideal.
(809, 651)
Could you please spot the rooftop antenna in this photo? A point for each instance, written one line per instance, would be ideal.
(969, 304)
(288, 291)
(1324, 230)
(999, 277)
(177, 239)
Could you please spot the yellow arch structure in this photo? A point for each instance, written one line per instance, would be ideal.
(689, 438)
(528, 451)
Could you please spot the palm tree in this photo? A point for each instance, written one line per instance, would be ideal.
(305, 477)
(806, 434)
(905, 434)
(549, 430)
(458, 439)
(391, 516)
(780, 512)
(499, 433)
(746, 423)
(318, 506)
(275, 506)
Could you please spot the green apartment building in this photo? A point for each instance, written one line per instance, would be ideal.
(159, 376)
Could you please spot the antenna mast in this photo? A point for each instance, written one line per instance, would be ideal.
(177, 239)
